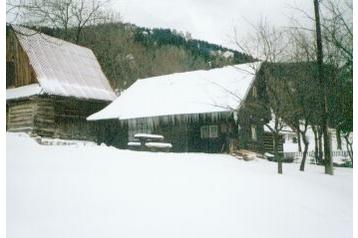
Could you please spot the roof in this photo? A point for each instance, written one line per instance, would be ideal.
(63, 68)
(196, 92)
(24, 91)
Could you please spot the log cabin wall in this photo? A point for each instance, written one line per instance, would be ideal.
(111, 132)
(187, 137)
(70, 118)
(18, 65)
(20, 115)
(55, 117)
(252, 117)
(44, 120)
(177, 135)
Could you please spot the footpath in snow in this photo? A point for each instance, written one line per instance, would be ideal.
(99, 191)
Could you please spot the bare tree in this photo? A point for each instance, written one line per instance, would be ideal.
(349, 145)
(66, 15)
(301, 100)
(337, 34)
(306, 90)
(334, 48)
(269, 44)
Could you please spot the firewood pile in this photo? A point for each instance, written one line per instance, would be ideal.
(246, 155)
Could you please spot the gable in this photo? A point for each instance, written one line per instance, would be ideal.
(19, 71)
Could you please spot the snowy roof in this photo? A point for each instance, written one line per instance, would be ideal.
(196, 92)
(24, 91)
(63, 68)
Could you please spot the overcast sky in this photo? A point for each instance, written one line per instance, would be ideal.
(211, 20)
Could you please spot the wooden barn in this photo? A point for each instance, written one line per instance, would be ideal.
(52, 86)
(198, 111)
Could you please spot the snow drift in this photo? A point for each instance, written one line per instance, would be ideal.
(99, 191)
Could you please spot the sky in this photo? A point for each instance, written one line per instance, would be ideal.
(212, 20)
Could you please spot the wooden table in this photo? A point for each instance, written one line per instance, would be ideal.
(152, 141)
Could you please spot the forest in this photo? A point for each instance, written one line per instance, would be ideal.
(127, 52)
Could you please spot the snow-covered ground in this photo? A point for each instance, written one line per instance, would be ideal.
(97, 191)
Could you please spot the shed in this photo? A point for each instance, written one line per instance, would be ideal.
(52, 86)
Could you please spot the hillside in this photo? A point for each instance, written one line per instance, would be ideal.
(127, 52)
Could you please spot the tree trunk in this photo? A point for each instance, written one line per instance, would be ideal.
(314, 129)
(78, 33)
(349, 147)
(339, 139)
(320, 149)
(305, 143)
(299, 141)
(328, 164)
(275, 151)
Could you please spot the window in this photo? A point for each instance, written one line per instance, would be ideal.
(253, 133)
(211, 131)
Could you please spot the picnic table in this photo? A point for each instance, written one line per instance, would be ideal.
(151, 141)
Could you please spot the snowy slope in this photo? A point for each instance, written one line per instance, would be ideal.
(99, 191)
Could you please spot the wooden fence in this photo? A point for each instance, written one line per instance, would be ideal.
(337, 153)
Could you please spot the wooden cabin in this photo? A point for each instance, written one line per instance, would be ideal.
(52, 86)
(198, 111)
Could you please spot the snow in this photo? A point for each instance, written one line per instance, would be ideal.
(63, 68)
(133, 143)
(267, 154)
(340, 156)
(202, 91)
(148, 136)
(158, 145)
(100, 191)
(228, 54)
(24, 91)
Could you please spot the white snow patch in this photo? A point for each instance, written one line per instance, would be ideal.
(133, 143)
(24, 91)
(158, 145)
(148, 136)
(100, 191)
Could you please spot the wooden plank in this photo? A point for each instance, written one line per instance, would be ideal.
(23, 107)
(20, 129)
(21, 116)
(20, 120)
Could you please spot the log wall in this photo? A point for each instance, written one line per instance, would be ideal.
(44, 119)
(20, 116)
(57, 117)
